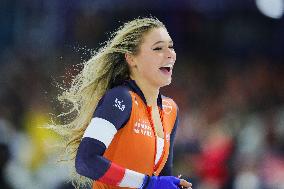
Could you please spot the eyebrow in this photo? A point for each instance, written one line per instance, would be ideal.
(162, 42)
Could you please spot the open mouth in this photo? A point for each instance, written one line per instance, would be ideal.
(166, 69)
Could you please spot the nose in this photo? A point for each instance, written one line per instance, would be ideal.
(171, 54)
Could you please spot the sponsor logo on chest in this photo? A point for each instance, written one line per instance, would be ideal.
(142, 127)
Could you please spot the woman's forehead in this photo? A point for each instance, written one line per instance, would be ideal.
(157, 35)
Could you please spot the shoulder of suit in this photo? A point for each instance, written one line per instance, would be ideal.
(118, 96)
(169, 100)
(169, 105)
(120, 90)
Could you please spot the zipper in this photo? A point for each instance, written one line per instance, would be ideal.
(163, 152)
(149, 112)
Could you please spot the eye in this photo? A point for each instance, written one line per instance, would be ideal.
(157, 49)
(171, 47)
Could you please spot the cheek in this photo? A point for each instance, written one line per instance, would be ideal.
(149, 62)
(151, 65)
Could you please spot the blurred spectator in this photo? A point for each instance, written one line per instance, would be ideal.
(4, 152)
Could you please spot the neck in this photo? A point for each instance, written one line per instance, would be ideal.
(150, 92)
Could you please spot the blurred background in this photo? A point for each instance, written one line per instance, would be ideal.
(228, 83)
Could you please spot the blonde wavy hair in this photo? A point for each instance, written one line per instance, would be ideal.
(104, 70)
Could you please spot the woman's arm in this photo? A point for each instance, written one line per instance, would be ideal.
(111, 114)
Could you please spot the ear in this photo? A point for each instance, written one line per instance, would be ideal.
(130, 59)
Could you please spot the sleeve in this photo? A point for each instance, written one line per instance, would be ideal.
(111, 114)
(115, 107)
(168, 168)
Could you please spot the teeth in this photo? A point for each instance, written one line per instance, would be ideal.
(168, 65)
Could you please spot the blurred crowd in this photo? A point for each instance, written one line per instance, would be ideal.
(228, 83)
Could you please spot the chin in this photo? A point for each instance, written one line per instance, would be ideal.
(165, 83)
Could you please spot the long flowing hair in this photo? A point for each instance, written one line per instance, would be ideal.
(104, 70)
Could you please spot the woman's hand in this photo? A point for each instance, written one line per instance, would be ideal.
(184, 184)
(165, 182)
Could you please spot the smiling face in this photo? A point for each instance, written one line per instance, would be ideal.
(155, 60)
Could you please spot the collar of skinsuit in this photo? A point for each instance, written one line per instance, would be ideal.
(134, 87)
